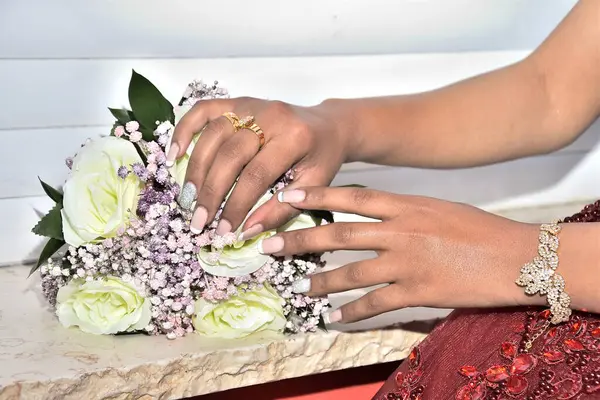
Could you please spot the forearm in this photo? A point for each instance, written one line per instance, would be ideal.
(493, 117)
(535, 106)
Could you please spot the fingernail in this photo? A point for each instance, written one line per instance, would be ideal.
(301, 286)
(223, 227)
(187, 195)
(198, 220)
(251, 232)
(271, 245)
(332, 317)
(291, 196)
(171, 150)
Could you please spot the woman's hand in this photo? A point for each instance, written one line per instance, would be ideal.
(430, 252)
(303, 138)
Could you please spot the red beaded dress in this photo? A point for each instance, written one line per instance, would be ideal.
(504, 354)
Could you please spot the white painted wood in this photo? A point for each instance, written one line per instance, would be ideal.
(54, 93)
(46, 150)
(234, 28)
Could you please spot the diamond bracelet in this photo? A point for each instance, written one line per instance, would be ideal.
(540, 276)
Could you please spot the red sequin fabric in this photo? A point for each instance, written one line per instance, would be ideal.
(484, 355)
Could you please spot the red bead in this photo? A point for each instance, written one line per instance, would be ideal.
(578, 327)
(574, 345)
(497, 373)
(523, 363)
(553, 356)
(468, 370)
(596, 332)
(508, 350)
(516, 385)
(550, 336)
(414, 358)
(545, 315)
(399, 378)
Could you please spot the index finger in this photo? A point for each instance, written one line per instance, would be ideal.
(192, 123)
(365, 202)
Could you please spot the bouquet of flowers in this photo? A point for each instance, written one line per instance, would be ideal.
(121, 257)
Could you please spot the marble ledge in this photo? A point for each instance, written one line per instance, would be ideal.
(41, 360)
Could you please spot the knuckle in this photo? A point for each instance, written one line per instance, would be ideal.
(361, 197)
(257, 174)
(320, 283)
(279, 109)
(354, 274)
(195, 164)
(373, 301)
(314, 196)
(208, 190)
(299, 240)
(216, 127)
(342, 234)
(301, 132)
(232, 151)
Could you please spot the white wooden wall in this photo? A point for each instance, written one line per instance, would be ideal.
(63, 62)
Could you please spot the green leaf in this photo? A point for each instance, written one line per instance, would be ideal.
(122, 115)
(353, 185)
(141, 153)
(321, 323)
(148, 105)
(51, 247)
(51, 224)
(54, 194)
(321, 215)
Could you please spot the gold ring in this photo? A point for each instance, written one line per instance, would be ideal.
(246, 123)
(259, 133)
(237, 122)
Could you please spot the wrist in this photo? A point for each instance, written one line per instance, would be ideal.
(520, 247)
(343, 119)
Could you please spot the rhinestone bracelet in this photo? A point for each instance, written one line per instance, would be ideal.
(540, 276)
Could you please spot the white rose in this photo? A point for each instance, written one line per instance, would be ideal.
(243, 257)
(97, 202)
(241, 315)
(102, 307)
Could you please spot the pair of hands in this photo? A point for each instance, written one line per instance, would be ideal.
(430, 252)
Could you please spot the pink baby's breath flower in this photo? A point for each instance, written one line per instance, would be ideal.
(132, 126)
(119, 131)
(152, 168)
(135, 136)
(153, 147)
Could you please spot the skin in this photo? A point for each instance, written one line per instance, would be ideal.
(536, 106)
(432, 253)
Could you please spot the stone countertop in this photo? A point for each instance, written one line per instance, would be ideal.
(39, 359)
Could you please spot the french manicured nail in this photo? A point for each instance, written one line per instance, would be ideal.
(198, 220)
(301, 286)
(251, 232)
(291, 196)
(187, 195)
(172, 149)
(224, 227)
(332, 317)
(271, 245)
